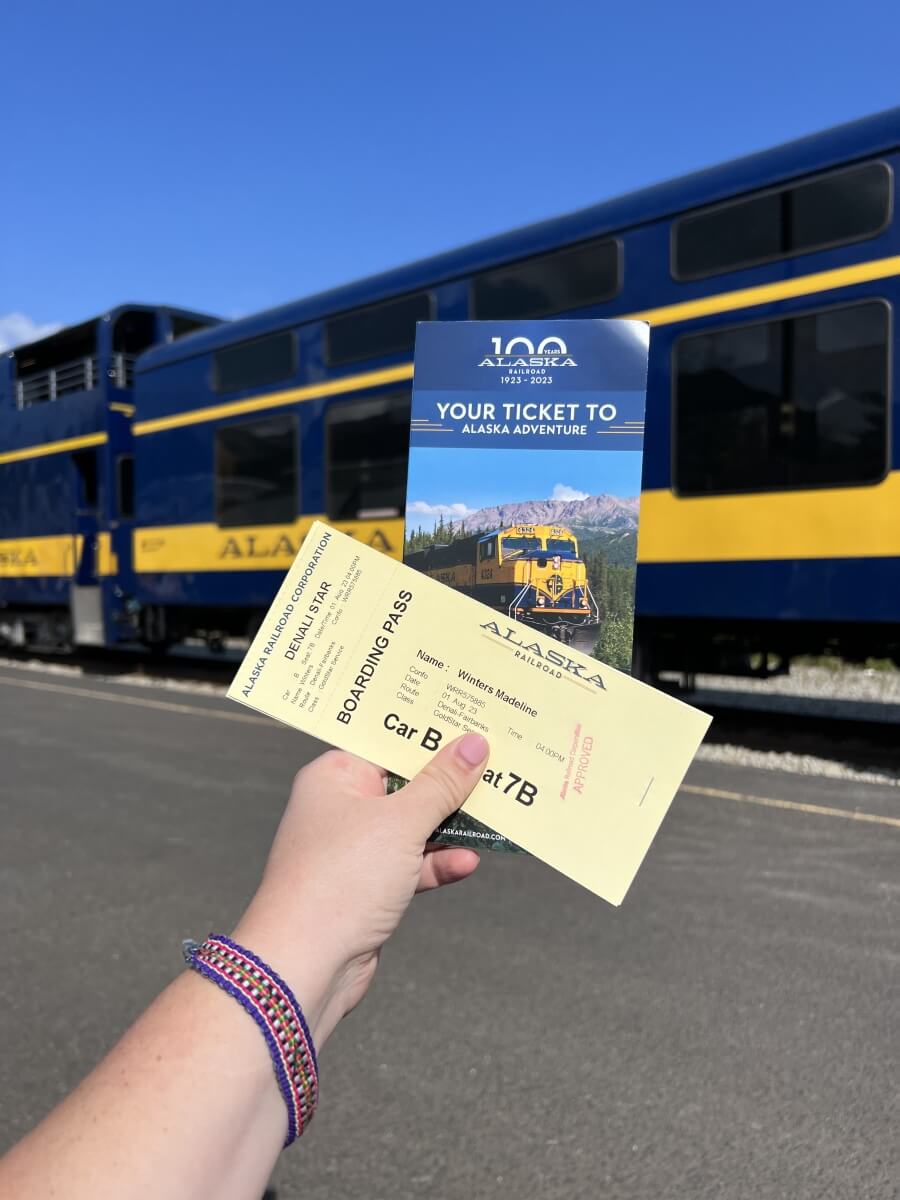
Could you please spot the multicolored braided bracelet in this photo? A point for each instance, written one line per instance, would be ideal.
(273, 1006)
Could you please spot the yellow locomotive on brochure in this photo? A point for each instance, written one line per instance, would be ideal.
(531, 573)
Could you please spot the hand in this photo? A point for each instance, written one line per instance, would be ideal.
(345, 863)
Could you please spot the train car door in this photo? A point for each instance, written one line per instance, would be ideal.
(85, 598)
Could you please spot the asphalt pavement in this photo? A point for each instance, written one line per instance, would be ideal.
(727, 1033)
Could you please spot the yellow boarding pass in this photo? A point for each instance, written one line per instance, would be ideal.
(375, 658)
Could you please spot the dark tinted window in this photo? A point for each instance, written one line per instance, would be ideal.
(87, 480)
(550, 283)
(367, 448)
(388, 328)
(842, 207)
(255, 364)
(181, 326)
(256, 472)
(784, 404)
(511, 544)
(125, 484)
(134, 331)
(728, 237)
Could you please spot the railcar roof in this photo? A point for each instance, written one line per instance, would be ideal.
(113, 313)
(531, 525)
(864, 138)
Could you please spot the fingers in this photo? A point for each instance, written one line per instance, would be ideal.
(446, 864)
(445, 782)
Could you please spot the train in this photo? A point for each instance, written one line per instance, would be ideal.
(159, 467)
(530, 573)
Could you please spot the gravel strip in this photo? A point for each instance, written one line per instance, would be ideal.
(795, 764)
(841, 683)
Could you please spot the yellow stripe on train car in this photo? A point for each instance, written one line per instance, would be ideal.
(685, 310)
(33, 558)
(206, 547)
(852, 522)
(52, 556)
(668, 314)
(771, 293)
(73, 443)
(848, 522)
(313, 391)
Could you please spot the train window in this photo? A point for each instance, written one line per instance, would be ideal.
(518, 545)
(380, 329)
(87, 481)
(843, 207)
(256, 472)
(560, 546)
(487, 549)
(134, 331)
(259, 363)
(182, 326)
(794, 403)
(125, 485)
(831, 210)
(366, 448)
(563, 281)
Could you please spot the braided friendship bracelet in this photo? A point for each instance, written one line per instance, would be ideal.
(273, 1006)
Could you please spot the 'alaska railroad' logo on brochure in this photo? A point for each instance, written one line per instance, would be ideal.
(554, 662)
(522, 352)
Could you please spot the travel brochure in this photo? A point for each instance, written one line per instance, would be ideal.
(526, 447)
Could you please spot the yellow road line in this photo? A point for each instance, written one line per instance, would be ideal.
(75, 443)
(819, 810)
(136, 701)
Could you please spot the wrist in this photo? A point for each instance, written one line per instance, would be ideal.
(307, 964)
(269, 999)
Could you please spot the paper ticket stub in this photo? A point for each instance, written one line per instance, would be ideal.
(370, 655)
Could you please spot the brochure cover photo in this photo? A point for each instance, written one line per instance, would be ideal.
(526, 448)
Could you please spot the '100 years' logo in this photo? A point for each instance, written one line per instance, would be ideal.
(522, 352)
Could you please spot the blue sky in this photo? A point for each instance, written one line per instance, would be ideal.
(439, 484)
(229, 157)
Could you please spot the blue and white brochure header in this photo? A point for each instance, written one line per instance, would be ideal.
(530, 385)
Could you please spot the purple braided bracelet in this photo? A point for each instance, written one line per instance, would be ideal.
(274, 1007)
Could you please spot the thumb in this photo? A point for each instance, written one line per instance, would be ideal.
(445, 782)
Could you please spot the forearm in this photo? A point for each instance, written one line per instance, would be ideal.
(185, 1106)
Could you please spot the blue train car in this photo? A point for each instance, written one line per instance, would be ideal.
(66, 478)
(769, 511)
